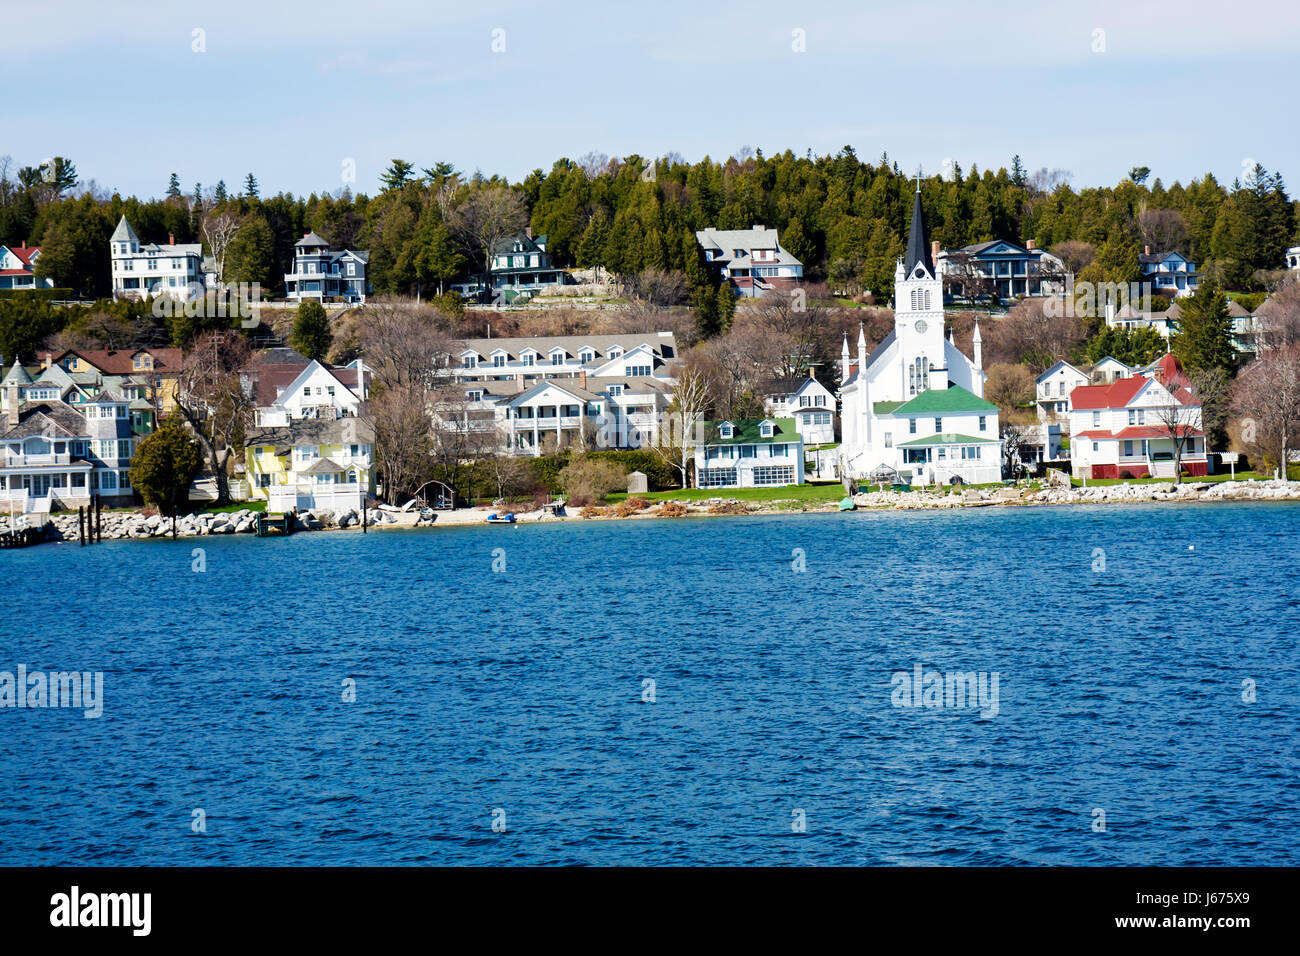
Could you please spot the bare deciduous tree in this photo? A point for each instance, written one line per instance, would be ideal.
(485, 216)
(213, 399)
(677, 436)
(219, 230)
(1266, 394)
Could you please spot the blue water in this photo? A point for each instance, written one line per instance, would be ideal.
(521, 691)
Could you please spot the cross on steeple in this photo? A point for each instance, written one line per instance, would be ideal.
(918, 178)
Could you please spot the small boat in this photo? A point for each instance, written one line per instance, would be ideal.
(501, 519)
(846, 504)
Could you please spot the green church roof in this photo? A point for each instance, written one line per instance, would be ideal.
(934, 401)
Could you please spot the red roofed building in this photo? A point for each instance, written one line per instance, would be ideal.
(18, 268)
(1137, 427)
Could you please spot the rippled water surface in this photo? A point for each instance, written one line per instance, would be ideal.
(1120, 689)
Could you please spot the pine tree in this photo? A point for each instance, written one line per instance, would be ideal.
(311, 331)
(1204, 337)
(219, 195)
(726, 310)
(165, 464)
(174, 187)
(250, 186)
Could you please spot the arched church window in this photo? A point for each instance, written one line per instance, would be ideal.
(918, 375)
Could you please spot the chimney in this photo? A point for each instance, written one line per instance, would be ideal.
(519, 380)
(1031, 245)
(1146, 250)
(11, 416)
(528, 231)
(47, 359)
(171, 239)
(582, 379)
(934, 251)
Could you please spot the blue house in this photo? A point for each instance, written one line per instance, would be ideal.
(1169, 273)
(323, 275)
(519, 264)
(999, 267)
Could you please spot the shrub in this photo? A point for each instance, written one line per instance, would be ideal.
(588, 479)
(637, 503)
(729, 508)
(659, 473)
(591, 511)
(672, 509)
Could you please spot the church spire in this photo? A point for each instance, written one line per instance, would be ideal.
(918, 249)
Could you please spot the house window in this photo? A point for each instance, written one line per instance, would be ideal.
(1096, 419)
(726, 430)
(498, 361)
(641, 370)
(765, 430)
(257, 453)
(527, 359)
(586, 355)
(747, 451)
(616, 390)
(820, 401)
(717, 477)
(1094, 446)
(803, 401)
(984, 423)
(774, 475)
(470, 361)
(911, 426)
(476, 395)
(938, 425)
(557, 358)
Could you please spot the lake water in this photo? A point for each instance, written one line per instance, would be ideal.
(520, 695)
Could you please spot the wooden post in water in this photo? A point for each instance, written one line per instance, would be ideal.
(81, 526)
(364, 515)
(99, 519)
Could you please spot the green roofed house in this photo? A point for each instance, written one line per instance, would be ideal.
(748, 453)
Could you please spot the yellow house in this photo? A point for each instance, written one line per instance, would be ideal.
(311, 464)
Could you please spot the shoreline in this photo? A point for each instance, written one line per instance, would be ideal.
(119, 526)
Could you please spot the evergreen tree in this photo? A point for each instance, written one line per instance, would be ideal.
(219, 195)
(250, 186)
(165, 464)
(174, 187)
(726, 309)
(1203, 340)
(397, 175)
(311, 331)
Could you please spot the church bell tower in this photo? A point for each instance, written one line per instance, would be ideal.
(918, 312)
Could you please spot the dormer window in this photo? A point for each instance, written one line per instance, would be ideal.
(586, 355)
(527, 358)
(765, 429)
(726, 430)
(469, 361)
(615, 352)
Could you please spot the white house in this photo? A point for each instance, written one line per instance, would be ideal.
(151, 269)
(749, 453)
(1126, 429)
(18, 268)
(1293, 258)
(810, 403)
(638, 355)
(1053, 388)
(915, 405)
(317, 392)
(752, 260)
(1169, 273)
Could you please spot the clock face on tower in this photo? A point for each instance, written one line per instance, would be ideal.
(920, 326)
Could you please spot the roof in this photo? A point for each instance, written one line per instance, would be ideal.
(946, 438)
(727, 241)
(322, 466)
(1062, 363)
(918, 249)
(55, 419)
(311, 239)
(124, 232)
(23, 254)
(1157, 257)
(1116, 395)
(312, 431)
(1167, 368)
(282, 355)
(1140, 431)
(122, 361)
(17, 375)
(664, 343)
(952, 399)
(747, 432)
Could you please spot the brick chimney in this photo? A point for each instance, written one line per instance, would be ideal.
(1031, 245)
(519, 380)
(11, 413)
(934, 251)
(171, 239)
(582, 378)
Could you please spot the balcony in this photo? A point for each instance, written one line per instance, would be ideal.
(36, 461)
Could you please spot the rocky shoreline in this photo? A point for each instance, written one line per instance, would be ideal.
(121, 525)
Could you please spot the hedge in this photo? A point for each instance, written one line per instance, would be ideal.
(60, 295)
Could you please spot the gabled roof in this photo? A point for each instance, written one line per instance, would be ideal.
(946, 438)
(1116, 395)
(24, 254)
(122, 361)
(935, 401)
(54, 419)
(918, 249)
(311, 239)
(124, 232)
(1158, 257)
(1062, 363)
(747, 432)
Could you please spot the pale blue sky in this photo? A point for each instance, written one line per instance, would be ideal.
(291, 91)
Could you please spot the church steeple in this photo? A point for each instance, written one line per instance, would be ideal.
(918, 249)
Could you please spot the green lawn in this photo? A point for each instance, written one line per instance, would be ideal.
(233, 506)
(811, 493)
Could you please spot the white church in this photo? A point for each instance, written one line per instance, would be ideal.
(915, 405)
